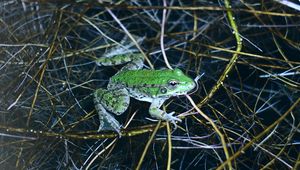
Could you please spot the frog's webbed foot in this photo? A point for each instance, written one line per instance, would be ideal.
(107, 121)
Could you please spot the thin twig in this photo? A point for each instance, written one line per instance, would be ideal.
(129, 35)
(215, 128)
(147, 146)
(162, 46)
(256, 138)
(169, 146)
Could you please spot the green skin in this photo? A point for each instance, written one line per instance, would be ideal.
(154, 86)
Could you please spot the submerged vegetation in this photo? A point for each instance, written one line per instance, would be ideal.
(244, 115)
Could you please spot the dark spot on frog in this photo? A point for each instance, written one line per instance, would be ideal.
(163, 90)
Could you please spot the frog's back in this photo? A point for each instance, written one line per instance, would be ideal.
(143, 77)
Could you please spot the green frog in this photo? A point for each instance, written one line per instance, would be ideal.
(153, 86)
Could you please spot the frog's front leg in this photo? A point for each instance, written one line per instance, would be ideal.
(160, 114)
(113, 100)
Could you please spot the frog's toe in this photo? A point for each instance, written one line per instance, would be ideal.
(172, 119)
(169, 117)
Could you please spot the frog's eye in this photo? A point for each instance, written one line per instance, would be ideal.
(173, 83)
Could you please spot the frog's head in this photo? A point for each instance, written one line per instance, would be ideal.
(177, 83)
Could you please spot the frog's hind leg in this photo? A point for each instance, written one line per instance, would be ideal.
(135, 61)
(115, 101)
(107, 121)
